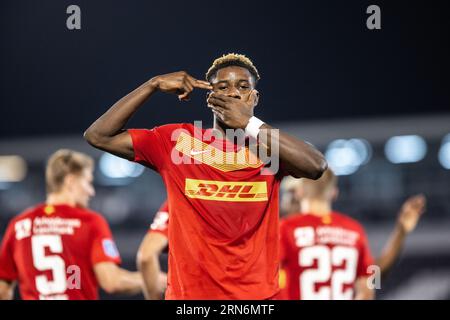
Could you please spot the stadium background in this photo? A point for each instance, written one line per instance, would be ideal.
(325, 78)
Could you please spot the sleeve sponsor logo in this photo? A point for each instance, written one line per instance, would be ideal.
(110, 249)
(304, 236)
(23, 229)
(160, 221)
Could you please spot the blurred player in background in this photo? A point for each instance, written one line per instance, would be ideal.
(325, 254)
(223, 230)
(60, 249)
(156, 241)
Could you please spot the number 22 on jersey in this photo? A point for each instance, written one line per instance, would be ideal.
(327, 259)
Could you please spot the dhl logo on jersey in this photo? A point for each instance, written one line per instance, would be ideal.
(226, 191)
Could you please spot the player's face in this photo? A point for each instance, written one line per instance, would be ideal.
(82, 188)
(233, 81)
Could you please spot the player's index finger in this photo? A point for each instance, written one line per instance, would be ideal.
(200, 84)
(203, 85)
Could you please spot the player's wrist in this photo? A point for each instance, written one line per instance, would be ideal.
(401, 228)
(153, 83)
(253, 127)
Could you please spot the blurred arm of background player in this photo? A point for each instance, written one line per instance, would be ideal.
(7, 289)
(155, 281)
(410, 213)
(362, 291)
(407, 220)
(113, 279)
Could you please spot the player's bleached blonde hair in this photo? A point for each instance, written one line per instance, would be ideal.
(289, 183)
(289, 195)
(319, 189)
(64, 162)
(232, 59)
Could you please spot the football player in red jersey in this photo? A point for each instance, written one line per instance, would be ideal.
(155, 242)
(60, 249)
(223, 230)
(325, 254)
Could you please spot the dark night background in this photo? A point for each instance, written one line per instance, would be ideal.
(323, 73)
(317, 58)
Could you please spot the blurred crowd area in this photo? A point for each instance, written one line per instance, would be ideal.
(380, 163)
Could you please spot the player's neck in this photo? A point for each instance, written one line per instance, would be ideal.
(316, 207)
(57, 198)
(220, 126)
(222, 129)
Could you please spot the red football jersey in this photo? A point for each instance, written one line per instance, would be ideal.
(51, 251)
(321, 257)
(223, 230)
(160, 222)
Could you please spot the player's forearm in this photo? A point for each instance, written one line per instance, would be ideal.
(129, 282)
(365, 294)
(6, 290)
(362, 290)
(300, 158)
(391, 250)
(113, 121)
(151, 270)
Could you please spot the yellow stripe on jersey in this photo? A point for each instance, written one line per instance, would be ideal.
(282, 279)
(216, 158)
(240, 191)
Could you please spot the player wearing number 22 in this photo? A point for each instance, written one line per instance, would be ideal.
(324, 254)
(223, 230)
(60, 249)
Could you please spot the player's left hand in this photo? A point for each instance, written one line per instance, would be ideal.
(233, 112)
(411, 212)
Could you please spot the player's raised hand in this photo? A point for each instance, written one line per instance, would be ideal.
(233, 112)
(411, 211)
(179, 83)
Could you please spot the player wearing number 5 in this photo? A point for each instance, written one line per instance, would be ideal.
(60, 249)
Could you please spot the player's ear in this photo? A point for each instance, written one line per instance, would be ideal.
(68, 181)
(299, 193)
(335, 194)
(255, 96)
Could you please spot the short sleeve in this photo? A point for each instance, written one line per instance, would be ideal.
(152, 147)
(160, 223)
(103, 247)
(8, 269)
(365, 257)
